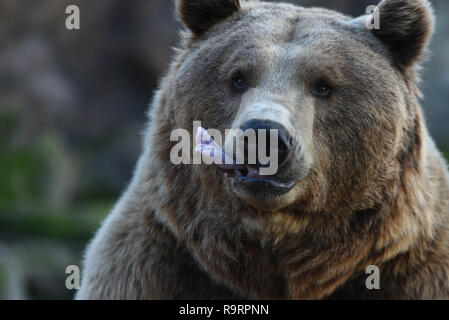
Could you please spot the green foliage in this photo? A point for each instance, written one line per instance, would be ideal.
(445, 152)
(8, 120)
(21, 172)
(78, 226)
(2, 281)
(2, 276)
(22, 169)
(24, 174)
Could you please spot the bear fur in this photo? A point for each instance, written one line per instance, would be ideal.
(371, 187)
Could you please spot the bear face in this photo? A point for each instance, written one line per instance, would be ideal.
(341, 94)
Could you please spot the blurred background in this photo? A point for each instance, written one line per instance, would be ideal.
(72, 109)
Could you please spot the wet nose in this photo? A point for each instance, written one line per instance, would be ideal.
(285, 140)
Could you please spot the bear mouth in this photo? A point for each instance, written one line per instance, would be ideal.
(248, 177)
(243, 171)
(245, 178)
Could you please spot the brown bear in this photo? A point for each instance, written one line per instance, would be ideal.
(360, 182)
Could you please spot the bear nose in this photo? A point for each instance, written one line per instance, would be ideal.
(285, 140)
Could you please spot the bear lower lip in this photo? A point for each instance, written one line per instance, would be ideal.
(266, 181)
(261, 187)
(249, 178)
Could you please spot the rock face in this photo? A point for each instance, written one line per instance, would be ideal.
(90, 86)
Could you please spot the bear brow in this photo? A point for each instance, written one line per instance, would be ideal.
(244, 54)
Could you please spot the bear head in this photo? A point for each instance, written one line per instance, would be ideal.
(341, 94)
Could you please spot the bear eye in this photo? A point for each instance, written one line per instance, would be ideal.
(322, 89)
(239, 82)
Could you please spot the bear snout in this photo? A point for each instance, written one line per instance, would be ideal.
(284, 139)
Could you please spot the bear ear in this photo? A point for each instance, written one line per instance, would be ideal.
(405, 29)
(200, 15)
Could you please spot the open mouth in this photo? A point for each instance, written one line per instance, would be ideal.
(250, 176)
(244, 177)
(243, 171)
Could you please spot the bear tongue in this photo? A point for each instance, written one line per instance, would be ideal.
(210, 149)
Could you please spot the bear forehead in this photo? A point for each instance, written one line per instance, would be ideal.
(264, 25)
(282, 22)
